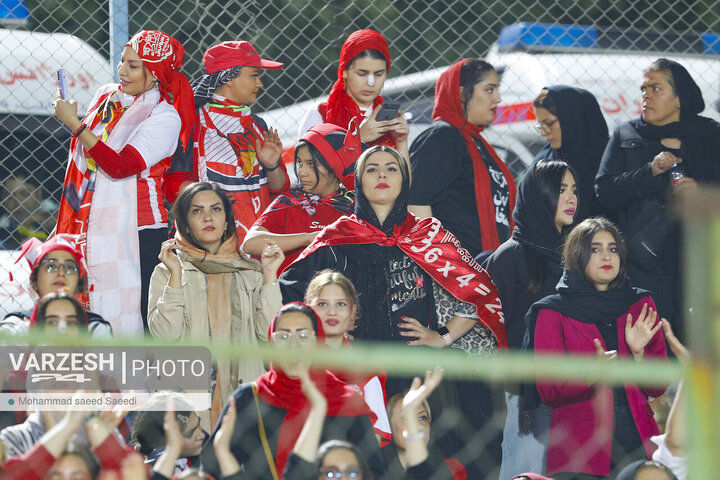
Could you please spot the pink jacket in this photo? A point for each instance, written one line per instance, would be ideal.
(582, 418)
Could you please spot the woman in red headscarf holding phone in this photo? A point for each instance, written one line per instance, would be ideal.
(458, 177)
(112, 194)
(363, 68)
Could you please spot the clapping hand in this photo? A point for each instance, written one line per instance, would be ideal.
(221, 442)
(420, 391)
(639, 334)
(602, 353)
(269, 149)
(680, 351)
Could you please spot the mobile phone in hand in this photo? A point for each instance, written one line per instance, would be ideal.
(389, 111)
(62, 83)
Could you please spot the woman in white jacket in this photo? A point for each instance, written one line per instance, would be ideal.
(206, 288)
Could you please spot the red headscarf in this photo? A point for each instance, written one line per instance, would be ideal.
(448, 107)
(33, 250)
(339, 147)
(340, 108)
(163, 55)
(278, 390)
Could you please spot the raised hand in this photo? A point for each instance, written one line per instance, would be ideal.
(420, 391)
(173, 435)
(165, 465)
(680, 351)
(271, 259)
(221, 442)
(66, 111)
(639, 334)
(316, 398)
(269, 149)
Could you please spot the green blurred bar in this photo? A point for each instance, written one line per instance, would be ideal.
(701, 219)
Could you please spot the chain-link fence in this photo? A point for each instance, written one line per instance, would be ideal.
(606, 58)
(463, 419)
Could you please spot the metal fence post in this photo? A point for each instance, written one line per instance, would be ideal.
(119, 31)
(701, 217)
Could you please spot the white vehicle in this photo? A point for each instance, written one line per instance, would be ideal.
(30, 60)
(602, 61)
(530, 56)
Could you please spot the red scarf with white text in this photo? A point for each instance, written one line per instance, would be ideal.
(436, 251)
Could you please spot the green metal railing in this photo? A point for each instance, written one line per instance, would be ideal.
(701, 213)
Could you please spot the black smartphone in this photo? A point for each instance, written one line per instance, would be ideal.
(389, 111)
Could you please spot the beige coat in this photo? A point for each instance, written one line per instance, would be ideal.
(182, 313)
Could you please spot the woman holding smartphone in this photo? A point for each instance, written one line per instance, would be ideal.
(458, 177)
(112, 190)
(364, 65)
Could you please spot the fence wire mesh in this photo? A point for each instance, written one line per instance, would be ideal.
(306, 36)
(424, 37)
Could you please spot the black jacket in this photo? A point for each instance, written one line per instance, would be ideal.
(626, 187)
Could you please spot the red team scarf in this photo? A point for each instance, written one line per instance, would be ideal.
(79, 184)
(436, 251)
(277, 389)
(448, 108)
(342, 200)
(340, 108)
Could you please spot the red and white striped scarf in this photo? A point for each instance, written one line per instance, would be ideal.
(103, 210)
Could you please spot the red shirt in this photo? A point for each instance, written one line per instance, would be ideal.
(296, 219)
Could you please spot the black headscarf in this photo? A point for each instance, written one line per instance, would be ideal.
(584, 137)
(691, 100)
(372, 275)
(535, 219)
(397, 215)
(579, 300)
(700, 136)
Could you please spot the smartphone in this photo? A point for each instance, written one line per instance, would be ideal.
(62, 83)
(389, 111)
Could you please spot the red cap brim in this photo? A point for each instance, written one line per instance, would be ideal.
(270, 65)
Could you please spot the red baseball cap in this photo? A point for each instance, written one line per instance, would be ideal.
(235, 53)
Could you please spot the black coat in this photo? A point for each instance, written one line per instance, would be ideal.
(626, 187)
(509, 271)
